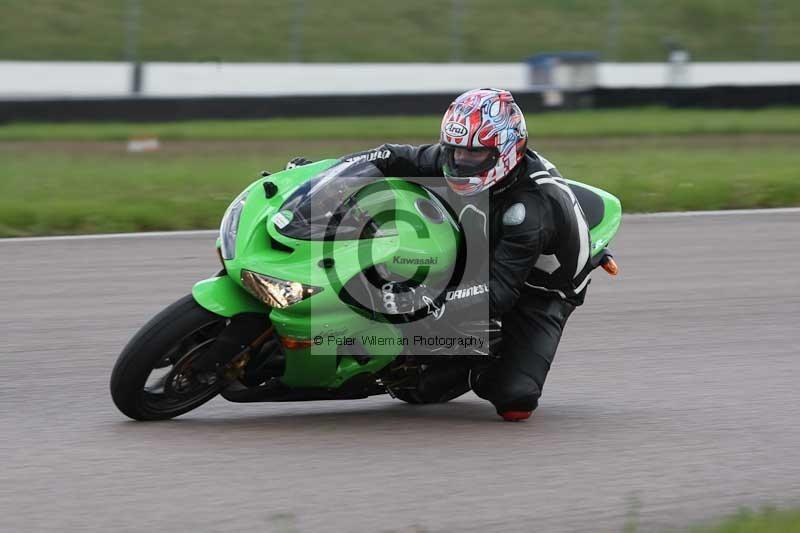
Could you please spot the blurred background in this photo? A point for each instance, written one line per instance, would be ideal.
(150, 115)
(674, 396)
(409, 31)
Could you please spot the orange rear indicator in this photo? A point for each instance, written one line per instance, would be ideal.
(610, 266)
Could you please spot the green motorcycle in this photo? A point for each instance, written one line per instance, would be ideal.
(299, 310)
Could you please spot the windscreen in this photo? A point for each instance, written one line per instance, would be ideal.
(326, 206)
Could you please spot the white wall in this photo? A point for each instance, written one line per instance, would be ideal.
(89, 79)
(35, 79)
(697, 74)
(176, 79)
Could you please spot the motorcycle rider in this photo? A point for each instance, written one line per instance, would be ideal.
(531, 224)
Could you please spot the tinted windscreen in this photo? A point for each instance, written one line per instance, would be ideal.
(325, 207)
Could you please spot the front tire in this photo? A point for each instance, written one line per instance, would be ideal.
(153, 379)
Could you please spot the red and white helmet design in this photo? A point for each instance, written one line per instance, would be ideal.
(483, 120)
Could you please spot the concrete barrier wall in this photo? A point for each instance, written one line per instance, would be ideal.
(85, 79)
(143, 109)
(250, 107)
(36, 79)
(176, 79)
(652, 75)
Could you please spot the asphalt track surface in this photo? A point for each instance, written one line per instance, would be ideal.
(675, 397)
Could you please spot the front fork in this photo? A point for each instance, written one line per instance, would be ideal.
(248, 327)
(244, 335)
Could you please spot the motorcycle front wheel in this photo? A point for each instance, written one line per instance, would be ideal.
(153, 377)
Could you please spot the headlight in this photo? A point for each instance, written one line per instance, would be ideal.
(230, 226)
(276, 292)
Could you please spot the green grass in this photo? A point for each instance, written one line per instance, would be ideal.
(66, 192)
(589, 123)
(91, 193)
(384, 30)
(77, 178)
(766, 521)
(651, 179)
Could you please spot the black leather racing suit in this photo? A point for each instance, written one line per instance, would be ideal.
(533, 234)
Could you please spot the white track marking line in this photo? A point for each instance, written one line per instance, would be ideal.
(102, 236)
(214, 233)
(724, 212)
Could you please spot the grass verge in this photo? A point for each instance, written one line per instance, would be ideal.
(579, 124)
(765, 521)
(64, 192)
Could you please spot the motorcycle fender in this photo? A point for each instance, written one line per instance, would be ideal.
(222, 296)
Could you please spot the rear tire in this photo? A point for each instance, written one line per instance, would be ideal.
(173, 338)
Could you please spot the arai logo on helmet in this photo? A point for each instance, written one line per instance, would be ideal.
(454, 129)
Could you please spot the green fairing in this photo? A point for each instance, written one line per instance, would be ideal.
(603, 232)
(330, 318)
(222, 296)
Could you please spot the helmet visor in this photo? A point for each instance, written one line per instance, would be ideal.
(460, 162)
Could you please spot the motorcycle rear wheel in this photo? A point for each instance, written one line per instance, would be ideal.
(152, 378)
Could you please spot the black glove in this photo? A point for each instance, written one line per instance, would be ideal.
(401, 298)
(297, 162)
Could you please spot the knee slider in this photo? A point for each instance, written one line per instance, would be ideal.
(516, 391)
